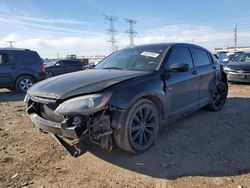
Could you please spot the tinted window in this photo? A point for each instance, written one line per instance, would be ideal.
(180, 55)
(70, 63)
(28, 57)
(245, 58)
(3, 58)
(201, 57)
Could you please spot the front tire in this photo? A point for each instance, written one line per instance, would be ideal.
(140, 127)
(219, 97)
(23, 83)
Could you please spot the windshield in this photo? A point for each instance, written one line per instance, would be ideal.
(50, 63)
(138, 58)
(245, 58)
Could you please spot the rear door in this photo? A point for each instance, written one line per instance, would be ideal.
(71, 66)
(6, 70)
(207, 71)
(182, 88)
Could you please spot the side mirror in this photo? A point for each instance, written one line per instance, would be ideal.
(179, 67)
(57, 64)
(89, 66)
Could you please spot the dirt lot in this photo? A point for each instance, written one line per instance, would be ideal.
(203, 150)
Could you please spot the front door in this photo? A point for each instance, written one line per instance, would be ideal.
(182, 88)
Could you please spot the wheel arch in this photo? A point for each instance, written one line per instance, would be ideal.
(26, 74)
(224, 77)
(120, 114)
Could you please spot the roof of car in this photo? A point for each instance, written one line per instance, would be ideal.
(14, 49)
(167, 44)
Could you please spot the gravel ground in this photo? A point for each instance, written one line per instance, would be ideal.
(205, 149)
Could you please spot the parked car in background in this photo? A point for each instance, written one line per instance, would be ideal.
(20, 68)
(239, 71)
(235, 56)
(222, 57)
(129, 95)
(54, 68)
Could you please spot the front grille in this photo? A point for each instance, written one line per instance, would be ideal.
(48, 112)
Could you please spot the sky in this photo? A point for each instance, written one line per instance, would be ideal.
(53, 27)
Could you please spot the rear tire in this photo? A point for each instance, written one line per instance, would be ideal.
(50, 74)
(219, 97)
(140, 127)
(23, 83)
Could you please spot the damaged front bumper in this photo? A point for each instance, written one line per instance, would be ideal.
(75, 118)
(96, 127)
(54, 128)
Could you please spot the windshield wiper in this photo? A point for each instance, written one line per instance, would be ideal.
(115, 68)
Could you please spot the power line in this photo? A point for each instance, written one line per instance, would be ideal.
(131, 32)
(111, 31)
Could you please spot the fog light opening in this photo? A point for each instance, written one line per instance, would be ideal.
(77, 121)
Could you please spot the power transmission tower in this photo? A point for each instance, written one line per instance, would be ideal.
(235, 37)
(131, 32)
(11, 42)
(112, 32)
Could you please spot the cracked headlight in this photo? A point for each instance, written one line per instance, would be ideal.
(84, 105)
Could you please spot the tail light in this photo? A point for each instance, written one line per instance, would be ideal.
(43, 68)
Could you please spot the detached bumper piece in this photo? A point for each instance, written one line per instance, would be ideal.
(53, 128)
(97, 129)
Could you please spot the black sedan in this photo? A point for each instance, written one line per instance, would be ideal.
(55, 68)
(128, 95)
(239, 71)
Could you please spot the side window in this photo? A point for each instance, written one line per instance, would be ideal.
(72, 63)
(180, 55)
(28, 58)
(59, 63)
(3, 58)
(201, 57)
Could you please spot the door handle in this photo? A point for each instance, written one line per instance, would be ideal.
(194, 72)
(214, 67)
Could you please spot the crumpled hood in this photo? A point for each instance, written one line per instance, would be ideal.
(239, 66)
(81, 82)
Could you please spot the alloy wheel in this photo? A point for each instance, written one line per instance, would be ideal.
(25, 84)
(144, 127)
(219, 96)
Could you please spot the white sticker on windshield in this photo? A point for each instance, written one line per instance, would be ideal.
(150, 54)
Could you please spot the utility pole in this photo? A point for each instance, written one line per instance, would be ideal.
(131, 32)
(11, 42)
(235, 37)
(112, 32)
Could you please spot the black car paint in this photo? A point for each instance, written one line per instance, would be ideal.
(175, 94)
(17, 66)
(73, 84)
(172, 89)
(63, 67)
